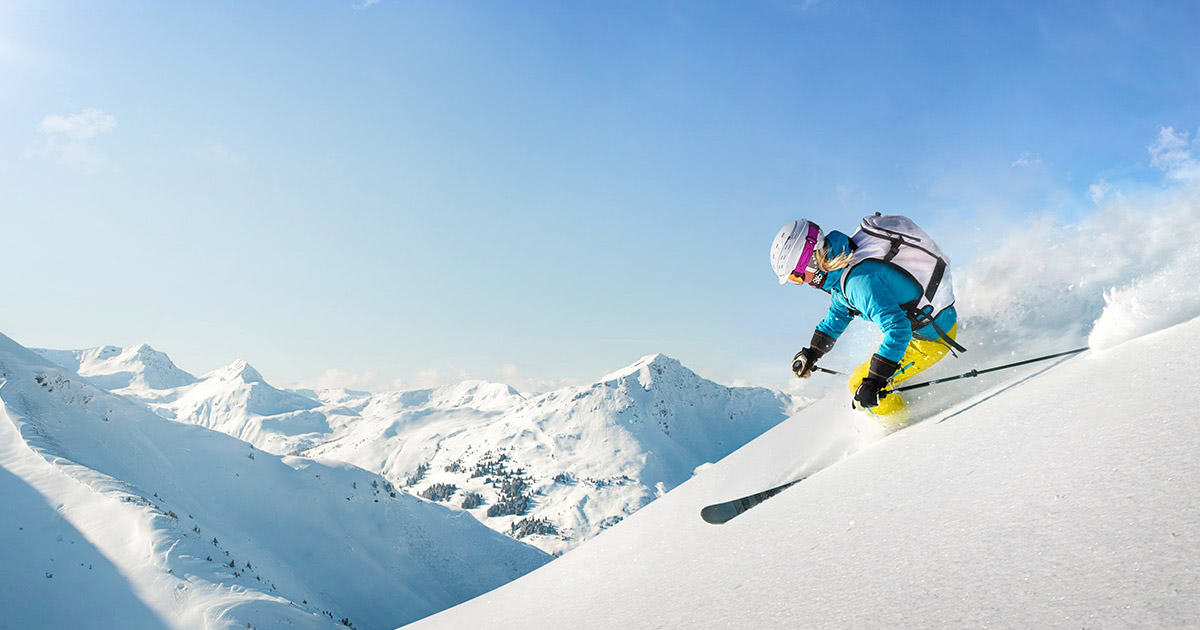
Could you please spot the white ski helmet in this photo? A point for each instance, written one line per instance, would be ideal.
(792, 250)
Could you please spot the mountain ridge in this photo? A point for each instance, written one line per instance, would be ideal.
(577, 459)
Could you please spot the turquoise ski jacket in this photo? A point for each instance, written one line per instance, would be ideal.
(876, 290)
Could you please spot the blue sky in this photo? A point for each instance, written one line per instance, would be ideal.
(415, 192)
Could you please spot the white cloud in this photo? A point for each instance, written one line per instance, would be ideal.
(434, 377)
(508, 373)
(336, 378)
(1172, 153)
(86, 124)
(367, 4)
(68, 139)
(1099, 191)
(1027, 159)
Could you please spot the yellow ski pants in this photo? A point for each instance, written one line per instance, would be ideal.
(892, 411)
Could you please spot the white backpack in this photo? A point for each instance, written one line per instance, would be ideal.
(900, 242)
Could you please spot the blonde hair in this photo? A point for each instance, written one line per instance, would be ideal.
(827, 264)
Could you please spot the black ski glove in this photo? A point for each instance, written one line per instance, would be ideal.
(867, 395)
(805, 360)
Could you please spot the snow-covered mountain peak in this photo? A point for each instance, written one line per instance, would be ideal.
(104, 352)
(647, 368)
(560, 467)
(139, 367)
(142, 351)
(239, 370)
(480, 395)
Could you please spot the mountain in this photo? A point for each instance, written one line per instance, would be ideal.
(237, 400)
(558, 468)
(554, 469)
(1063, 496)
(135, 369)
(117, 517)
(234, 399)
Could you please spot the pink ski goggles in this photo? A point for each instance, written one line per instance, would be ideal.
(810, 245)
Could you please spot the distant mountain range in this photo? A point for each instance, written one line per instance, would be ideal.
(553, 469)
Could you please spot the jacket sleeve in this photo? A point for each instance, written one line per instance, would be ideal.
(880, 305)
(836, 319)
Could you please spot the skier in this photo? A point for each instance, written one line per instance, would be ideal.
(889, 272)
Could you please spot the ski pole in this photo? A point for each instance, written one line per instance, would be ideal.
(978, 372)
(816, 368)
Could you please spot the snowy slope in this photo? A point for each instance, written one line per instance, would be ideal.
(1070, 499)
(115, 517)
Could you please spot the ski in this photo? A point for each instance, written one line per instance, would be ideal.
(718, 513)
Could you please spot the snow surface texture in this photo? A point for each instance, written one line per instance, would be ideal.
(1070, 500)
(115, 517)
(553, 470)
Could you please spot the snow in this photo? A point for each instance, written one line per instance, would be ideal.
(1165, 298)
(50, 563)
(589, 456)
(109, 367)
(237, 400)
(116, 506)
(1047, 283)
(585, 457)
(1060, 501)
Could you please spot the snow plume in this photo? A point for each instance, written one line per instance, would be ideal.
(1165, 298)
(1125, 271)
